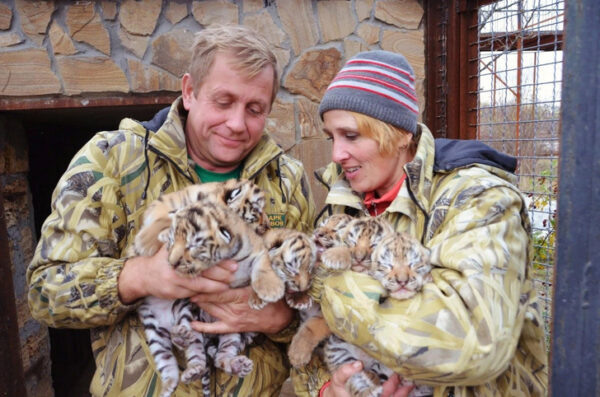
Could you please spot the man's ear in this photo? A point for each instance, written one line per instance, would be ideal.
(187, 90)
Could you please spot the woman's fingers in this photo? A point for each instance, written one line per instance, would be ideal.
(337, 388)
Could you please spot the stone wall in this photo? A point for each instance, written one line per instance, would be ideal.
(115, 49)
(87, 48)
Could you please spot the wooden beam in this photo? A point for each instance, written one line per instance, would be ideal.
(37, 103)
(550, 41)
(451, 68)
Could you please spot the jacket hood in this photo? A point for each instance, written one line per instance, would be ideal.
(453, 153)
(157, 121)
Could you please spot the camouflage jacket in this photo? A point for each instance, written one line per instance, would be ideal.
(96, 211)
(476, 330)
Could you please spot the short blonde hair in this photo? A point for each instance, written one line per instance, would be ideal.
(386, 135)
(252, 53)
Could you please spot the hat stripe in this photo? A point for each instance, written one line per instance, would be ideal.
(385, 65)
(375, 90)
(407, 82)
(409, 94)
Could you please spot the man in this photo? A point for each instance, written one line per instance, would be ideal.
(79, 277)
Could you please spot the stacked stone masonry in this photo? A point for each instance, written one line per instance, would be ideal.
(84, 49)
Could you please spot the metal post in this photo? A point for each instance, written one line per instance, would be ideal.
(575, 360)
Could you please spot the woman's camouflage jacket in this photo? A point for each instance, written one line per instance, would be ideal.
(476, 330)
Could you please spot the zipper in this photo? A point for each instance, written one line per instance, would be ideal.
(165, 157)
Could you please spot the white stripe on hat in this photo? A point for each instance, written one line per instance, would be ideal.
(378, 90)
(367, 69)
(369, 79)
(382, 64)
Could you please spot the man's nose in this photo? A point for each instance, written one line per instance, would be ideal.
(236, 119)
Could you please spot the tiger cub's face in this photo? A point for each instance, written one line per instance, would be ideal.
(293, 256)
(328, 233)
(201, 235)
(401, 264)
(248, 201)
(362, 235)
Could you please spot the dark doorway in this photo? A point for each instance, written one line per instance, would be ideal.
(54, 136)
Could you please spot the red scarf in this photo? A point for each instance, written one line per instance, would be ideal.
(376, 205)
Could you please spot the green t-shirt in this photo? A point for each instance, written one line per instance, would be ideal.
(209, 176)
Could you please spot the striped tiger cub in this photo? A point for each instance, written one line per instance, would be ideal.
(201, 226)
(398, 261)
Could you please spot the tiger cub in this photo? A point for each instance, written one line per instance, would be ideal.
(243, 196)
(402, 266)
(167, 321)
(399, 262)
(347, 244)
(200, 236)
(313, 328)
(293, 256)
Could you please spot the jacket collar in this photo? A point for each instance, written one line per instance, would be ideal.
(167, 136)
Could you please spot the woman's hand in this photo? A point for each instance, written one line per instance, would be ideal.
(337, 387)
(143, 276)
(234, 314)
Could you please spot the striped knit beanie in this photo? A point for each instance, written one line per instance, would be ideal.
(379, 84)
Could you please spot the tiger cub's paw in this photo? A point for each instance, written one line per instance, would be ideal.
(300, 352)
(193, 372)
(241, 366)
(255, 302)
(182, 336)
(337, 258)
(298, 300)
(237, 365)
(267, 285)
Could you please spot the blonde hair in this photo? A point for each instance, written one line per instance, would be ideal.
(252, 53)
(386, 135)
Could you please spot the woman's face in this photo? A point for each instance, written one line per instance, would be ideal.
(366, 169)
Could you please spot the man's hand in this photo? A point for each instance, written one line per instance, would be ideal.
(234, 314)
(337, 388)
(143, 276)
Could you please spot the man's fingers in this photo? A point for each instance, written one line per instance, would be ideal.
(203, 284)
(223, 272)
(238, 295)
(217, 327)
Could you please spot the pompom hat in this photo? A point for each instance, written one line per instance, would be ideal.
(380, 84)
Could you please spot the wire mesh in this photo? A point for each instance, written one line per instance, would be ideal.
(520, 69)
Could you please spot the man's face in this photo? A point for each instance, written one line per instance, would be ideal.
(227, 115)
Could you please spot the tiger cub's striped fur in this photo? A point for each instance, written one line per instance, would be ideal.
(243, 196)
(399, 262)
(204, 225)
(346, 243)
(313, 328)
(293, 256)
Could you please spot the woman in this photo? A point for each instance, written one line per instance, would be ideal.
(476, 329)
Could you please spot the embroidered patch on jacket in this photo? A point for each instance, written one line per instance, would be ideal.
(276, 220)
